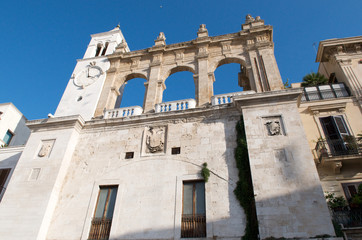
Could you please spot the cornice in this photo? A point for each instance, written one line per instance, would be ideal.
(56, 123)
(268, 98)
(12, 149)
(337, 46)
(189, 115)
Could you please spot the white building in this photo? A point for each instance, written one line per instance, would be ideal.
(96, 171)
(13, 135)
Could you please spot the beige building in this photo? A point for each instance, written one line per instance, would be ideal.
(332, 117)
(97, 171)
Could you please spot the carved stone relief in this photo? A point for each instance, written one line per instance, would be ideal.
(273, 126)
(154, 139)
(46, 148)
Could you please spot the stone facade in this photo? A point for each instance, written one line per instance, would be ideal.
(151, 156)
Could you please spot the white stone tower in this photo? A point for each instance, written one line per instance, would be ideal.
(86, 83)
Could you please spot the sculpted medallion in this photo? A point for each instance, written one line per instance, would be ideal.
(45, 148)
(273, 126)
(154, 140)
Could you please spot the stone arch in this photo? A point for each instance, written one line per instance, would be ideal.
(243, 75)
(185, 72)
(176, 69)
(121, 84)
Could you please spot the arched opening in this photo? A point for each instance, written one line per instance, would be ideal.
(179, 84)
(105, 49)
(132, 92)
(231, 76)
(99, 48)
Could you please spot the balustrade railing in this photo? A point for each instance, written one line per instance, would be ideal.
(228, 97)
(193, 226)
(123, 112)
(348, 218)
(100, 229)
(175, 105)
(321, 92)
(338, 147)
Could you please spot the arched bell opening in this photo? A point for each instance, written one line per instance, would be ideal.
(132, 91)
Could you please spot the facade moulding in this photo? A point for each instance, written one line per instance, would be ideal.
(49, 124)
(190, 115)
(12, 149)
(267, 98)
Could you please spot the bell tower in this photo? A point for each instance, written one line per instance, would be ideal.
(84, 87)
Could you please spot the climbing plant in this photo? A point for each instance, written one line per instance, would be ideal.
(205, 172)
(244, 188)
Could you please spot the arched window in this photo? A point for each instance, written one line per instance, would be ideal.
(231, 75)
(105, 49)
(179, 85)
(132, 93)
(99, 48)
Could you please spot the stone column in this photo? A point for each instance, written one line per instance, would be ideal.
(256, 81)
(154, 89)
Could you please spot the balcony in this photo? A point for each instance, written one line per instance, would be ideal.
(322, 92)
(228, 97)
(100, 229)
(175, 105)
(193, 226)
(123, 112)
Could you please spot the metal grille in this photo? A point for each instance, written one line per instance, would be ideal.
(349, 218)
(193, 226)
(338, 147)
(100, 229)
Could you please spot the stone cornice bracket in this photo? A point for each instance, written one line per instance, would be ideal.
(250, 22)
(226, 47)
(202, 51)
(161, 84)
(156, 59)
(50, 124)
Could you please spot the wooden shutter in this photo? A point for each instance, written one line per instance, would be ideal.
(4, 173)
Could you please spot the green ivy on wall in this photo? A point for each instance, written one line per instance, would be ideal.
(244, 188)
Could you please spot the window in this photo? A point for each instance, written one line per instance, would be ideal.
(175, 150)
(4, 174)
(102, 220)
(193, 222)
(105, 49)
(336, 132)
(129, 155)
(8, 136)
(99, 48)
(350, 189)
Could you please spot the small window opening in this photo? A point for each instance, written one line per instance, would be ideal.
(79, 98)
(175, 150)
(105, 49)
(129, 155)
(8, 136)
(99, 48)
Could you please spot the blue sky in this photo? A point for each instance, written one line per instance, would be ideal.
(41, 40)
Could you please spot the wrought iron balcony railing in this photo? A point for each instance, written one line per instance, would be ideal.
(348, 218)
(321, 92)
(100, 229)
(338, 147)
(193, 226)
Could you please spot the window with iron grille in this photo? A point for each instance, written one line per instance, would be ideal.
(193, 222)
(103, 214)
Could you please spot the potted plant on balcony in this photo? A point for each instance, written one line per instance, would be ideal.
(335, 203)
(314, 79)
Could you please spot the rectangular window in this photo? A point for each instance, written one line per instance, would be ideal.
(193, 223)
(4, 174)
(336, 132)
(8, 136)
(350, 189)
(103, 214)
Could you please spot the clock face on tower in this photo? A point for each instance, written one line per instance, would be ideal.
(88, 76)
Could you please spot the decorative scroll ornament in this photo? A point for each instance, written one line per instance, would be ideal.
(273, 127)
(155, 138)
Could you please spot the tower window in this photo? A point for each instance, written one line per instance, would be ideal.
(175, 150)
(99, 48)
(105, 49)
(129, 155)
